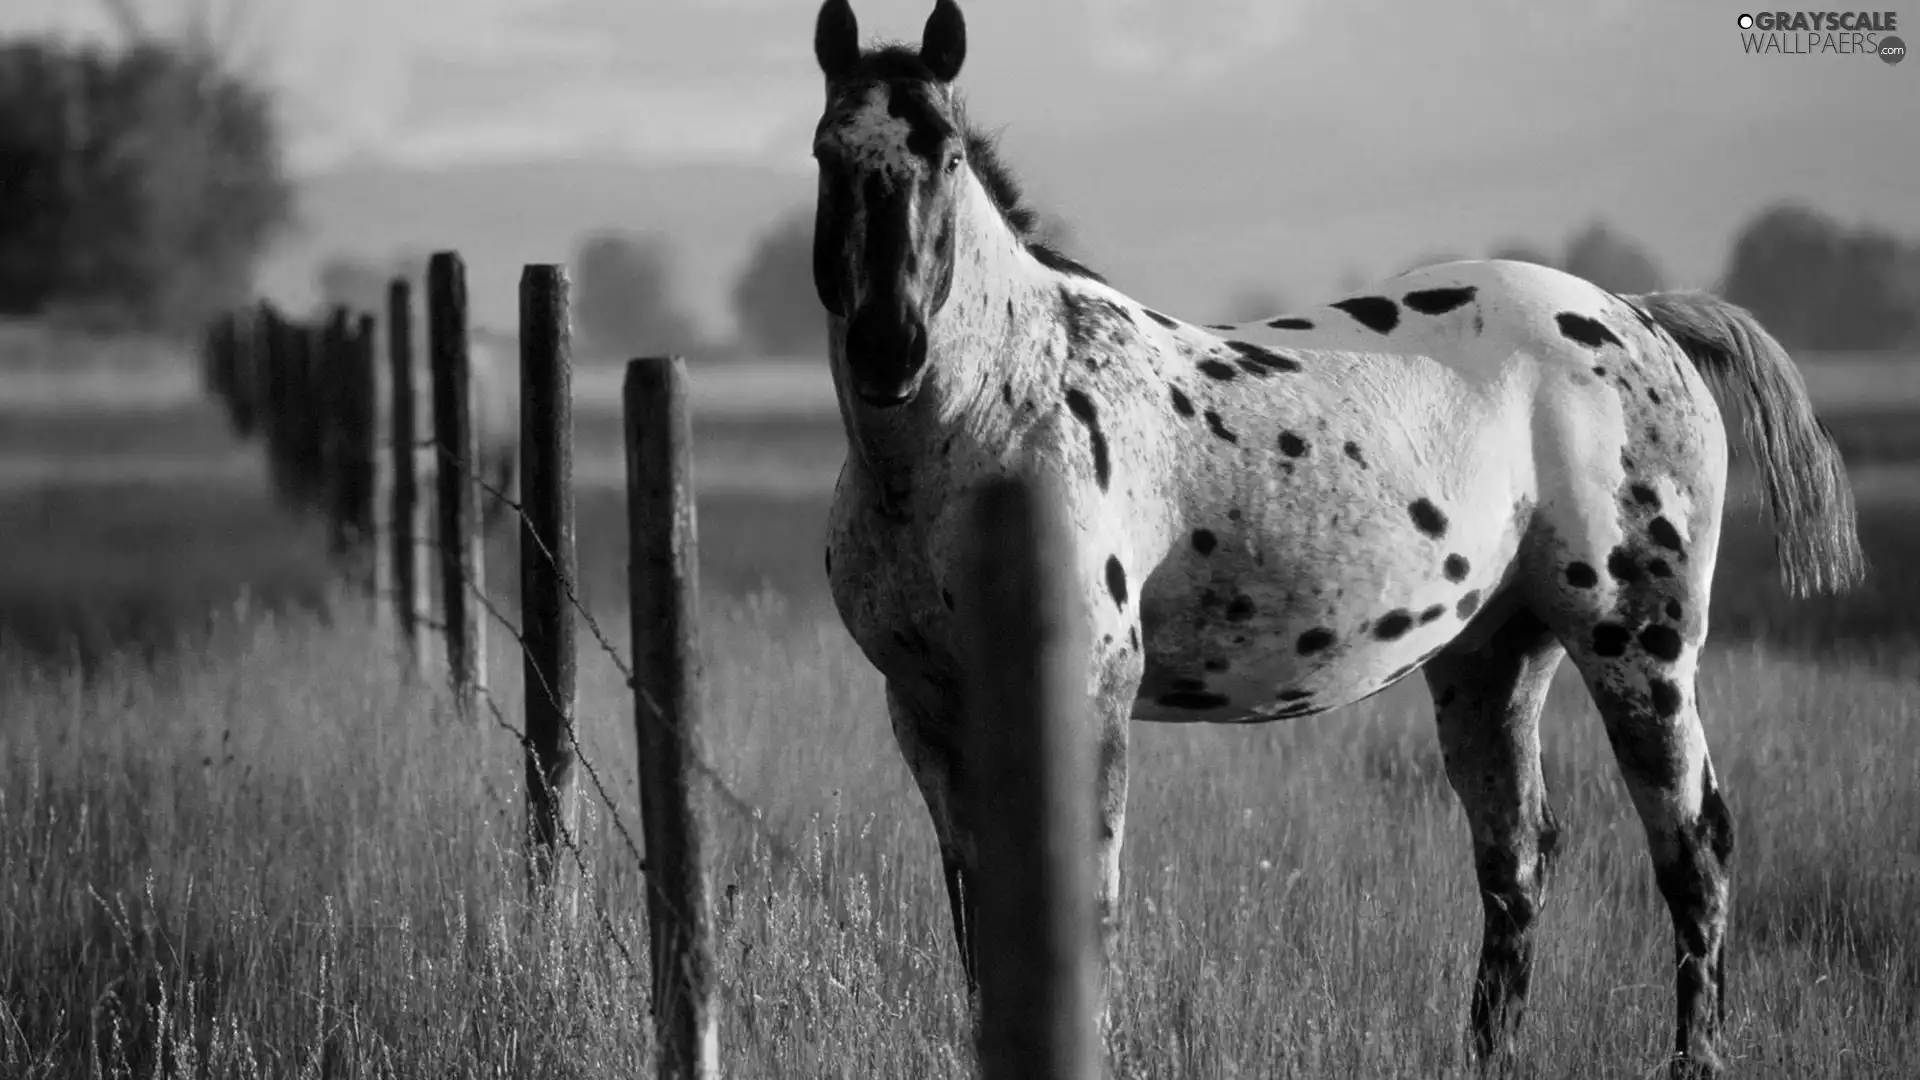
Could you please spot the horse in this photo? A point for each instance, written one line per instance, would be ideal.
(1471, 471)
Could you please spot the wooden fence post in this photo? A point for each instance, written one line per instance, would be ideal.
(273, 377)
(1030, 790)
(309, 413)
(662, 578)
(457, 472)
(548, 567)
(365, 505)
(406, 519)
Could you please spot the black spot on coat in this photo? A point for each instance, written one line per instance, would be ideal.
(1664, 534)
(1292, 445)
(1456, 567)
(1621, 565)
(1666, 698)
(1376, 313)
(1468, 604)
(1581, 576)
(1116, 581)
(1589, 332)
(1661, 642)
(1610, 639)
(1218, 369)
(1352, 450)
(1428, 518)
(1314, 641)
(1182, 404)
(1264, 358)
(1161, 319)
(1204, 541)
(1439, 301)
(1289, 322)
(1393, 624)
(1220, 427)
(1645, 496)
(1082, 408)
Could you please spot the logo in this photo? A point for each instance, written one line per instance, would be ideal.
(1823, 33)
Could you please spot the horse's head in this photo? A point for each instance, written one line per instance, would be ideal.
(891, 149)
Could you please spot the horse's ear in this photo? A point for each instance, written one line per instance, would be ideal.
(943, 44)
(836, 39)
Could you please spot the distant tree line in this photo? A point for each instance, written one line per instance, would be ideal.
(139, 185)
(1814, 282)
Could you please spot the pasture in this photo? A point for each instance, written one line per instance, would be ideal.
(235, 841)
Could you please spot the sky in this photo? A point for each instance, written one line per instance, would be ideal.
(1195, 145)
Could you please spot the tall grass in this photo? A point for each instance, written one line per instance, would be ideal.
(275, 856)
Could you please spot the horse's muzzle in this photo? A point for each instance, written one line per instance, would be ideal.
(886, 350)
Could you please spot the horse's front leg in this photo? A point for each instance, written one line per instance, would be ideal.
(929, 740)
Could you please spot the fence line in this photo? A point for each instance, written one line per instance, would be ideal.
(321, 442)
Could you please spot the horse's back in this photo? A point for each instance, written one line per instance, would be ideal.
(1450, 441)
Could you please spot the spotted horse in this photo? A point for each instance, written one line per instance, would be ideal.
(1470, 471)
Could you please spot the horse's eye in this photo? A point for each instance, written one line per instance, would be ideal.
(953, 163)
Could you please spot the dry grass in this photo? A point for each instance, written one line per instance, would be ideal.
(278, 859)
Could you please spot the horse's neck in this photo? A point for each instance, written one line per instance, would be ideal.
(988, 344)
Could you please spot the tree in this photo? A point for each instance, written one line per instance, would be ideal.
(774, 299)
(143, 184)
(1607, 258)
(623, 300)
(1816, 284)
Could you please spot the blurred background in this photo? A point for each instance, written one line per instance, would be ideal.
(1218, 159)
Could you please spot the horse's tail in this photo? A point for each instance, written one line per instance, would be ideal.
(1807, 489)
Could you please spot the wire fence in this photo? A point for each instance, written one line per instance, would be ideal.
(311, 394)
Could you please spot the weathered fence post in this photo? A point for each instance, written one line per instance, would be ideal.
(457, 470)
(547, 566)
(406, 529)
(365, 504)
(308, 411)
(333, 398)
(1030, 790)
(662, 570)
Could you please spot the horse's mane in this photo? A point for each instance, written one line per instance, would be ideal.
(894, 62)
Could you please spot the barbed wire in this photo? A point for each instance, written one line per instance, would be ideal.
(782, 849)
(566, 834)
(738, 803)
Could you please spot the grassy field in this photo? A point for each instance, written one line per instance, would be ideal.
(236, 841)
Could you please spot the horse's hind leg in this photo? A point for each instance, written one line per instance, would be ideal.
(1640, 672)
(1488, 702)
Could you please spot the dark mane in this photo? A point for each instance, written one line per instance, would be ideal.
(897, 63)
